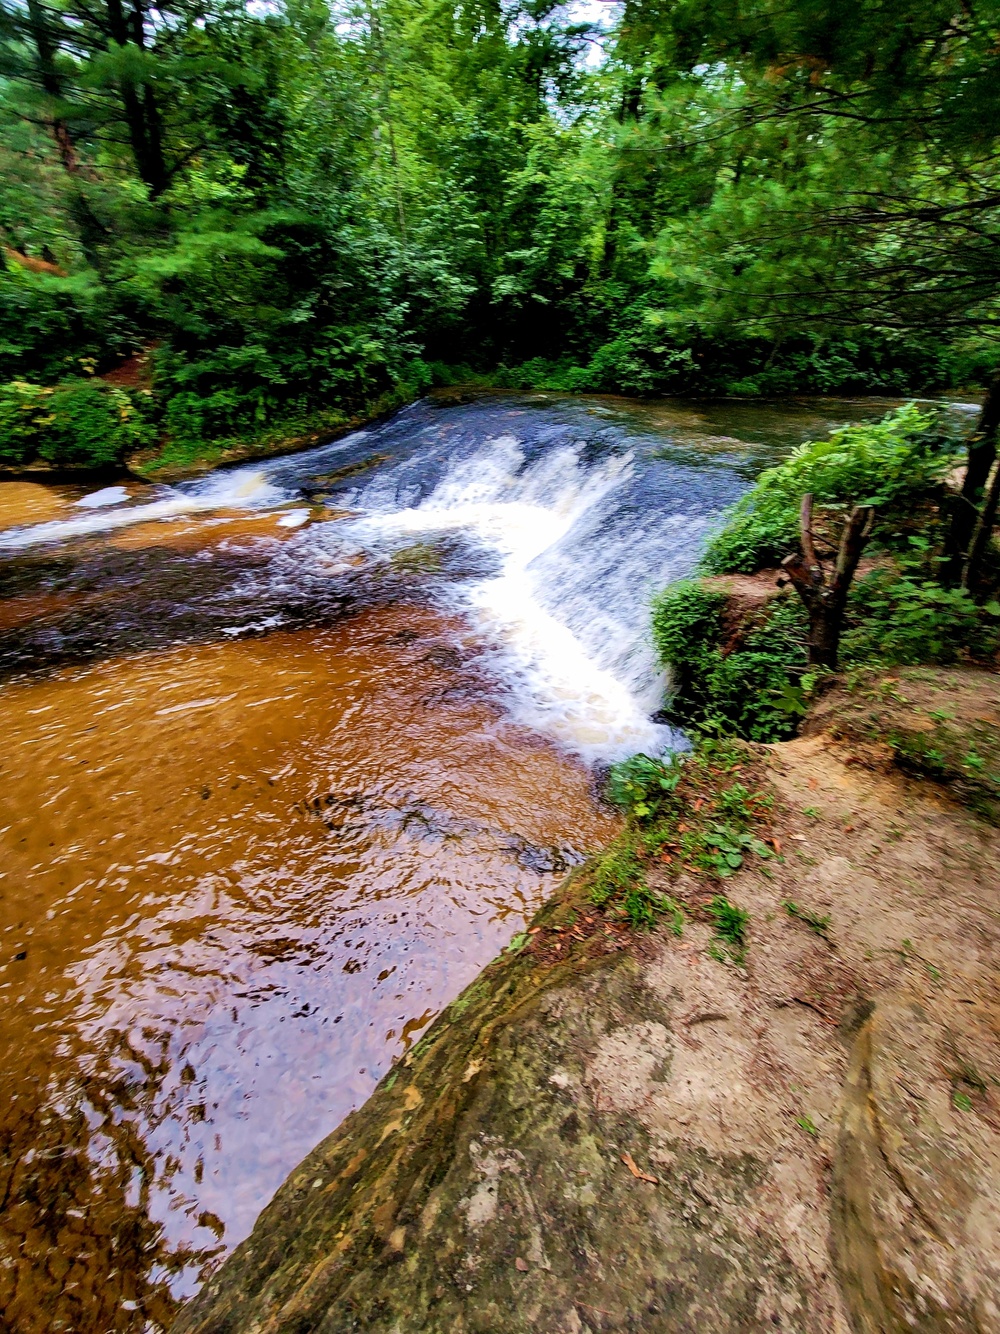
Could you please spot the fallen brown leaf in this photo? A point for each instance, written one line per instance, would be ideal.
(636, 1171)
(521, 1264)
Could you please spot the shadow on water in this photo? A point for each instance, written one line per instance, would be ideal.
(290, 752)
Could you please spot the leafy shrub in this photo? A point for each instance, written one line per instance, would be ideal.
(899, 619)
(76, 423)
(744, 691)
(639, 784)
(889, 464)
(47, 323)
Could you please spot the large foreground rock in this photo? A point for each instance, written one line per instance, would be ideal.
(487, 1189)
(917, 1199)
(821, 1125)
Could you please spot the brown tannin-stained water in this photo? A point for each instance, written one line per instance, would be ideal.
(289, 753)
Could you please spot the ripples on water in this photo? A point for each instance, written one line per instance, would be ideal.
(290, 752)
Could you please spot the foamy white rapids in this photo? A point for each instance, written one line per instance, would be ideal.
(557, 686)
(108, 495)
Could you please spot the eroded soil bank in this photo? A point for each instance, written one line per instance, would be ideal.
(618, 1131)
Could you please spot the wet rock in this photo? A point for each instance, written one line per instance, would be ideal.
(491, 1185)
(916, 1212)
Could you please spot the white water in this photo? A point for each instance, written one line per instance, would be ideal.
(557, 684)
(242, 488)
(108, 495)
(563, 616)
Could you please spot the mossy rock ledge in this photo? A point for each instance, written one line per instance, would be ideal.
(484, 1189)
(614, 1131)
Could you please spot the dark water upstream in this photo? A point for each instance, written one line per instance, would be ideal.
(289, 753)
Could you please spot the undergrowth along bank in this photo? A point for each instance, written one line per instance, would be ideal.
(693, 817)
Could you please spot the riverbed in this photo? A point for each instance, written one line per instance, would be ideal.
(290, 752)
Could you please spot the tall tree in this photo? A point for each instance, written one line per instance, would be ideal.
(848, 157)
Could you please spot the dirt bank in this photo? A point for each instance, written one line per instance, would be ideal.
(614, 1130)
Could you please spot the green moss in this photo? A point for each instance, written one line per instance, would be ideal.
(420, 558)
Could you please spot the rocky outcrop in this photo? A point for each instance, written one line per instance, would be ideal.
(917, 1181)
(559, 1165)
(614, 1130)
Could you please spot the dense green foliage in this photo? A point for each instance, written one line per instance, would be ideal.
(895, 465)
(744, 690)
(897, 619)
(305, 209)
(758, 687)
(747, 672)
(75, 422)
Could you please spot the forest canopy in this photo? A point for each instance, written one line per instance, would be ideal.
(293, 211)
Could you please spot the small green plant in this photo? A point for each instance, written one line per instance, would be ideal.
(690, 810)
(812, 812)
(517, 942)
(617, 871)
(730, 929)
(640, 784)
(961, 1100)
(720, 849)
(806, 1122)
(642, 908)
(818, 924)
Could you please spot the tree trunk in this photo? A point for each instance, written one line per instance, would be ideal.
(823, 644)
(983, 532)
(826, 600)
(141, 111)
(982, 452)
(89, 227)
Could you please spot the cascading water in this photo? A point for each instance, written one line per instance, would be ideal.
(579, 520)
(570, 650)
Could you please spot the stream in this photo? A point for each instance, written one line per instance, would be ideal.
(290, 752)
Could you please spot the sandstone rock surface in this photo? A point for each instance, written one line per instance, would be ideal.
(618, 1131)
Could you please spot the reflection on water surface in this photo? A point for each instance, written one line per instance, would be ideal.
(238, 879)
